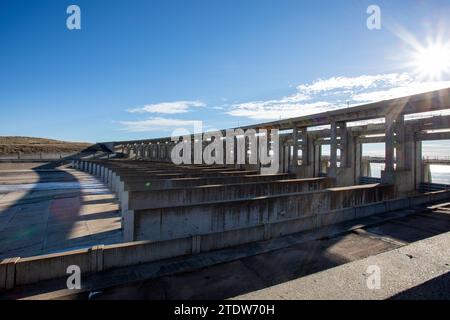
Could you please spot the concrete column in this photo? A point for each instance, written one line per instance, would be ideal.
(344, 145)
(258, 162)
(143, 147)
(281, 156)
(145, 151)
(288, 157)
(135, 152)
(235, 152)
(157, 152)
(358, 160)
(389, 144)
(247, 148)
(295, 137)
(151, 150)
(162, 155)
(224, 147)
(303, 133)
(418, 162)
(307, 145)
(409, 148)
(316, 161)
(166, 152)
(401, 144)
(333, 149)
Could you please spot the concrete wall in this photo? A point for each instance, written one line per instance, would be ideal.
(170, 222)
(37, 156)
(157, 184)
(198, 194)
(22, 165)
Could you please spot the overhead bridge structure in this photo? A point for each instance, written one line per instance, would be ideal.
(401, 124)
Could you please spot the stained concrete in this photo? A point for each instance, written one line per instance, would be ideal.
(420, 270)
(52, 210)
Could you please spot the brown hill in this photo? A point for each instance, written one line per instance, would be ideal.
(29, 145)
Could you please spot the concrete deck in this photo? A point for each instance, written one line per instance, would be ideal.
(52, 210)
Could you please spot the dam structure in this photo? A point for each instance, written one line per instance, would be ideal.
(171, 211)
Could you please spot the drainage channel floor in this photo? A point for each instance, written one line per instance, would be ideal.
(48, 211)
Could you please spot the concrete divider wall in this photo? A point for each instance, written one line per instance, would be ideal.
(168, 175)
(191, 195)
(166, 223)
(145, 251)
(157, 184)
(37, 156)
(35, 269)
(19, 271)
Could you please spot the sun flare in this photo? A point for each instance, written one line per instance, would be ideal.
(432, 61)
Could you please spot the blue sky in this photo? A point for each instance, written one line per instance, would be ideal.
(138, 69)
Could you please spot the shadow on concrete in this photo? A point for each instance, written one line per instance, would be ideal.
(260, 271)
(30, 231)
(434, 289)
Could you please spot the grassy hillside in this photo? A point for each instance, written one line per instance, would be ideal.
(29, 145)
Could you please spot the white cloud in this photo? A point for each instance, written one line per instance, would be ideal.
(157, 124)
(335, 92)
(407, 89)
(273, 110)
(168, 107)
(349, 83)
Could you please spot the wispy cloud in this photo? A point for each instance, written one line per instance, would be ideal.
(335, 92)
(263, 110)
(363, 82)
(156, 124)
(168, 107)
(408, 87)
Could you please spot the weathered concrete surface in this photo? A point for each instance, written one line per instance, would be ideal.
(143, 184)
(236, 271)
(420, 270)
(172, 222)
(43, 211)
(198, 194)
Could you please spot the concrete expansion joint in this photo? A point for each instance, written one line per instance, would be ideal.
(8, 273)
(267, 231)
(96, 258)
(196, 244)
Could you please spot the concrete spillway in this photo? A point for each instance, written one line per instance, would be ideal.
(171, 211)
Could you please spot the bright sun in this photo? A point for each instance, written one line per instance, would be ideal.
(433, 60)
